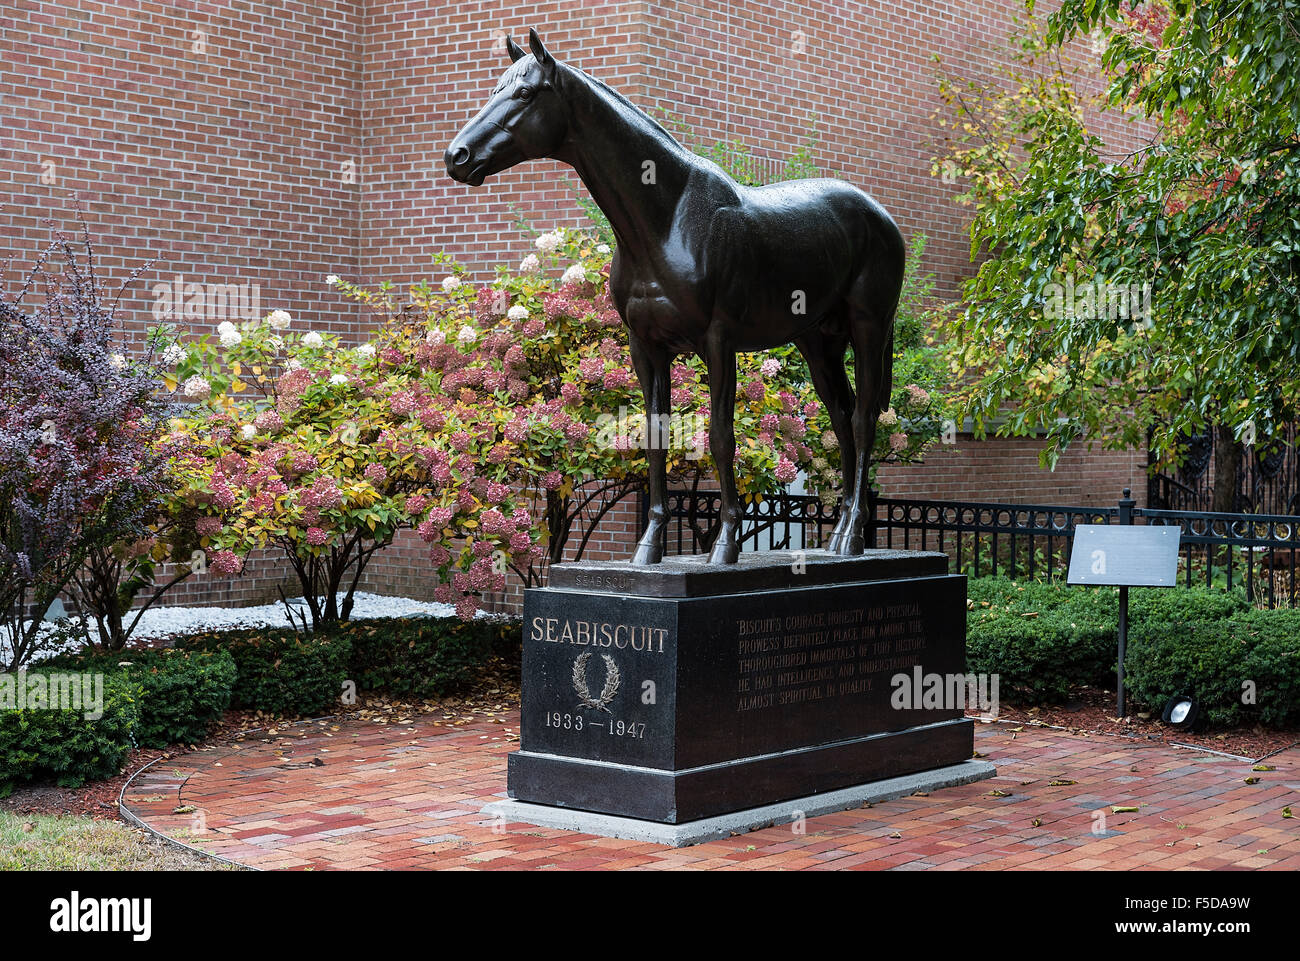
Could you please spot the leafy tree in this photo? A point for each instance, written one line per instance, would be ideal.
(1151, 287)
(82, 455)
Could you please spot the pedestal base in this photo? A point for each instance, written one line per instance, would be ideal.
(739, 822)
(682, 692)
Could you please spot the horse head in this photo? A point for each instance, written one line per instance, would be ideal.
(524, 119)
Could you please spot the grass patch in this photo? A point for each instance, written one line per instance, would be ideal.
(45, 843)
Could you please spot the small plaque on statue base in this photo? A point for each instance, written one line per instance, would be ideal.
(684, 691)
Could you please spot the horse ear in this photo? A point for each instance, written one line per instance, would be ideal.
(513, 48)
(539, 50)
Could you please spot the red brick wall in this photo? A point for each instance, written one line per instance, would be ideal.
(207, 137)
(306, 138)
(1005, 470)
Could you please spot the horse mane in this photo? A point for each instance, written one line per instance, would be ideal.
(654, 126)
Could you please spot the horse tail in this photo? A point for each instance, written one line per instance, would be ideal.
(895, 272)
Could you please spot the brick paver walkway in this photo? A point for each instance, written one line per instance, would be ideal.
(357, 794)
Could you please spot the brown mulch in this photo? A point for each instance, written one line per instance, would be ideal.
(1093, 712)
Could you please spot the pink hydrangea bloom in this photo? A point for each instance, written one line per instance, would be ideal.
(226, 563)
(207, 526)
(785, 471)
(316, 537)
(466, 607)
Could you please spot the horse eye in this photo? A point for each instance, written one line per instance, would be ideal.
(524, 93)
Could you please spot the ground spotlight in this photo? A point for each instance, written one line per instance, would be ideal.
(1181, 712)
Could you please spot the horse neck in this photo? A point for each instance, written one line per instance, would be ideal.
(609, 142)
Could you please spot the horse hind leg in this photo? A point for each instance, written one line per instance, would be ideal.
(824, 353)
(871, 331)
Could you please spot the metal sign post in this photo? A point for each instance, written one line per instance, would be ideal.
(1124, 555)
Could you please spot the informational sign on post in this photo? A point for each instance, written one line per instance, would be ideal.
(1124, 555)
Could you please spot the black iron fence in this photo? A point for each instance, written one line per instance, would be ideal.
(1259, 553)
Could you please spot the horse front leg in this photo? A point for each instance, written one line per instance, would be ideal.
(721, 361)
(652, 370)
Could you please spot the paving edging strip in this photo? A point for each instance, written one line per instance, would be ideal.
(130, 817)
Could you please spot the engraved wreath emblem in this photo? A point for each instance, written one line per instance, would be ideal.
(584, 692)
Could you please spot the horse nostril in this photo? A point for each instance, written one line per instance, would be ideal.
(460, 156)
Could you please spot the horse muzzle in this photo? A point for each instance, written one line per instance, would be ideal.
(462, 166)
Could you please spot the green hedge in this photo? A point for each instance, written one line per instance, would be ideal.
(65, 745)
(182, 693)
(428, 657)
(1045, 639)
(280, 671)
(1245, 670)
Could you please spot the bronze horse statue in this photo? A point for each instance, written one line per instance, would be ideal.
(709, 266)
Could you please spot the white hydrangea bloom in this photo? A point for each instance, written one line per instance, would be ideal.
(435, 337)
(197, 387)
(889, 417)
(576, 274)
(549, 241)
(173, 355)
(338, 379)
(312, 339)
(450, 283)
(231, 338)
(517, 313)
(332, 279)
(366, 350)
(602, 248)
(529, 264)
(279, 319)
(467, 335)
(117, 361)
(225, 327)
(249, 431)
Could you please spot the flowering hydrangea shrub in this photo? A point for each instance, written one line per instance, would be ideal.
(323, 452)
(531, 380)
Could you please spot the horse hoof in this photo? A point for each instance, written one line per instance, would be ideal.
(648, 554)
(852, 546)
(834, 542)
(727, 553)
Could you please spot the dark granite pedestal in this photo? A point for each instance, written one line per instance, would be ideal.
(682, 691)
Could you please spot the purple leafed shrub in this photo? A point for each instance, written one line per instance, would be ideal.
(82, 462)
